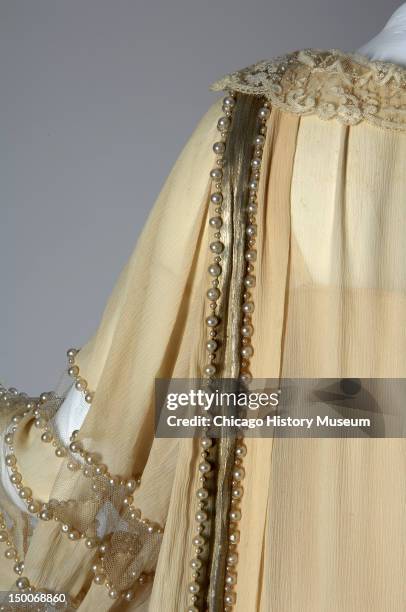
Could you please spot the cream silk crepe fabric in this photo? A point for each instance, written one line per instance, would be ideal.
(323, 520)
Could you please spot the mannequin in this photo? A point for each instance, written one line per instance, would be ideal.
(389, 45)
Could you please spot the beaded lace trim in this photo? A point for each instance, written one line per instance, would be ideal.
(328, 83)
(101, 513)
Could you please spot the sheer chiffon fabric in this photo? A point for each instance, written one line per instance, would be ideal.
(322, 519)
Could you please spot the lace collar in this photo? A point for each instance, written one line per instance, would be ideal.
(328, 83)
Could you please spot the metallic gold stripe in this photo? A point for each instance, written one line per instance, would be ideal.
(235, 193)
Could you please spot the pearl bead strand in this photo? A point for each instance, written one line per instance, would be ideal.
(216, 245)
(22, 583)
(90, 465)
(80, 383)
(212, 321)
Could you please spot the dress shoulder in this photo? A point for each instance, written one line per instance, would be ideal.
(328, 83)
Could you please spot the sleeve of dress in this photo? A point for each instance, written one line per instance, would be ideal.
(152, 327)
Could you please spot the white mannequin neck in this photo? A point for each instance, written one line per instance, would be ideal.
(390, 44)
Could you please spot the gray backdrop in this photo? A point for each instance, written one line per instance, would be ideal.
(97, 99)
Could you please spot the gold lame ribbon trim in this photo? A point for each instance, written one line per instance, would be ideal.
(237, 171)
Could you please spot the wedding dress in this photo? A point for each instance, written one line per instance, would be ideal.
(275, 249)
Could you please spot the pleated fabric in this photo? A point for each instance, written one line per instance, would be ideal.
(323, 520)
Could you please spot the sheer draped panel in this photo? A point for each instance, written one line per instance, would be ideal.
(322, 523)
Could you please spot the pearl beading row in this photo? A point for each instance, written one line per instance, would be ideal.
(90, 464)
(46, 512)
(212, 321)
(251, 230)
(10, 552)
(91, 468)
(22, 583)
(100, 578)
(233, 531)
(9, 395)
(247, 350)
(216, 245)
(73, 370)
